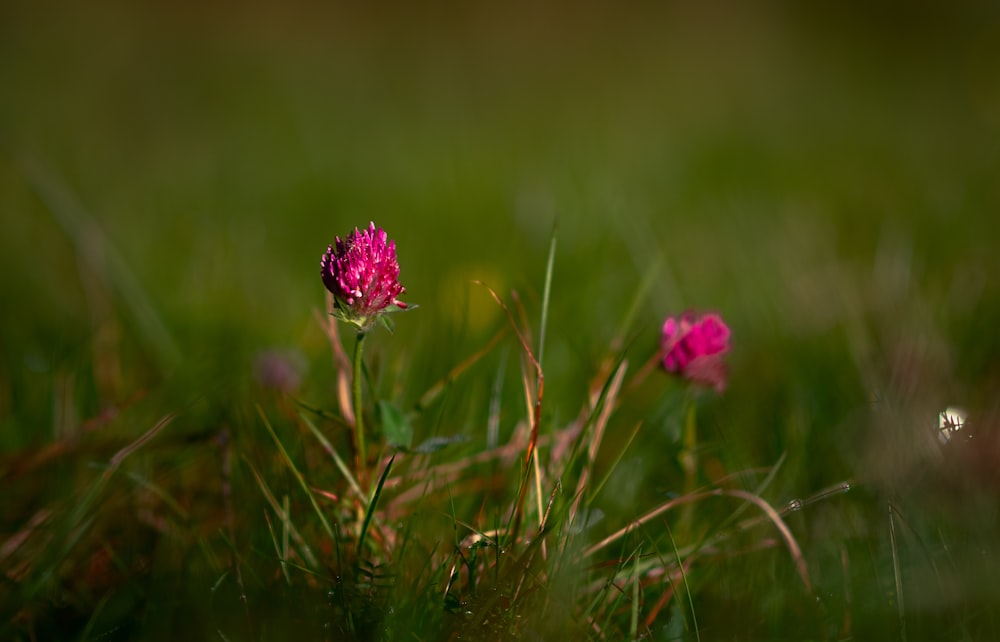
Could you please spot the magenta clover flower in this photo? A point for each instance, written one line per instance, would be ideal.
(694, 346)
(362, 273)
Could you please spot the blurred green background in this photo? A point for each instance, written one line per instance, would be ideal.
(824, 175)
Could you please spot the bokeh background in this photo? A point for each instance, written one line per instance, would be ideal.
(824, 174)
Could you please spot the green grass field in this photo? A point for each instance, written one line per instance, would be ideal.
(177, 453)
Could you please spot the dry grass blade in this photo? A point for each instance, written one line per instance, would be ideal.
(786, 533)
(342, 363)
(79, 521)
(120, 456)
(540, 378)
(649, 516)
(607, 406)
(769, 511)
(15, 541)
(535, 414)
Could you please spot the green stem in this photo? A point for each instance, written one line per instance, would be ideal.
(359, 426)
(689, 463)
(689, 460)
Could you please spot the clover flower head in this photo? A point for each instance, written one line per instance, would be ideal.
(693, 346)
(279, 370)
(363, 274)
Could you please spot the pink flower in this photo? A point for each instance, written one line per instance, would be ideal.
(279, 370)
(363, 275)
(694, 346)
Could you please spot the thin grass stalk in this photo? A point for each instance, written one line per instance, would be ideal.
(95, 614)
(304, 550)
(285, 535)
(493, 420)
(606, 404)
(786, 533)
(432, 393)
(227, 499)
(342, 363)
(546, 292)
(298, 475)
(668, 594)
(540, 378)
(337, 460)
(611, 469)
(535, 410)
(277, 548)
(633, 629)
(96, 249)
(897, 575)
(842, 487)
(684, 580)
(370, 512)
(79, 523)
(768, 510)
(650, 277)
(649, 516)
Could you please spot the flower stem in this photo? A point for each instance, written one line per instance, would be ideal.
(359, 426)
(689, 463)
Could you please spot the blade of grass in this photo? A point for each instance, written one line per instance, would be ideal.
(304, 548)
(285, 535)
(96, 249)
(759, 491)
(779, 523)
(226, 442)
(648, 516)
(684, 580)
(540, 378)
(370, 511)
(95, 614)
(277, 548)
(608, 397)
(79, 521)
(535, 411)
(161, 494)
(435, 390)
(614, 464)
(651, 276)
(897, 575)
(546, 293)
(493, 421)
(768, 510)
(633, 628)
(298, 475)
(341, 466)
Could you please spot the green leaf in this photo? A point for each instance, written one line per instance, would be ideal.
(395, 426)
(387, 323)
(434, 444)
